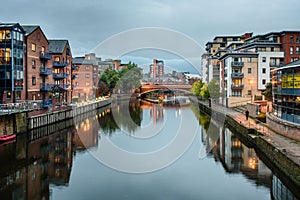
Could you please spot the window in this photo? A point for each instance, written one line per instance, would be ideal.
(33, 47)
(33, 64)
(87, 68)
(264, 81)
(291, 50)
(272, 49)
(249, 60)
(263, 70)
(33, 96)
(291, 39)
(297, 50)
(249, 92)
(87, 76)
(87, 83)
(249, 70)
(43, 49)
(263, 59)
(298, 39)
(8, 95)
(57, 58)
(18, 94)
(33, 80)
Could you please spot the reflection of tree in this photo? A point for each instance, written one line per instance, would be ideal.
(127, 116)
(204, 119)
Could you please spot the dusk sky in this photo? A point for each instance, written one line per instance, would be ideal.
(87, 23)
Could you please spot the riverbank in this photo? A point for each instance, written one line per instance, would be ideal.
(283, 152)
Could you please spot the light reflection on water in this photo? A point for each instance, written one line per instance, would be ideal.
(63, 166)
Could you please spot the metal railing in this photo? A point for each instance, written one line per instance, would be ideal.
(20, 107)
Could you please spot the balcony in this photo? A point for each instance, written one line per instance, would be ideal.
(60, 75)
(237, 64)
(59, 64)
(74, 76)
(44, 71)
(237, 75)
(45, 55)
(237, 87)
(74, 67)
(276, 64)
(46, 87)
(47, 103)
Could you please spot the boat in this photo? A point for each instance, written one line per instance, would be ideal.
(6, 138)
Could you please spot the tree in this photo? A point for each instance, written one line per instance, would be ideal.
(204, 93)
(268, 92)
(213, 88)
(110, 77)
(130, 77)
(196, 87)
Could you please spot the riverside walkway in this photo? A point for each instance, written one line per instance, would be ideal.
(290, 148)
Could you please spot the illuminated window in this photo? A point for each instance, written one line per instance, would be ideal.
(87, 83)
(8, 95)
(33, 47)
(291, 50)
(56, 58)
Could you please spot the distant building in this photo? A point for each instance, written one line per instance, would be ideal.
(11, 62)
(157, 69)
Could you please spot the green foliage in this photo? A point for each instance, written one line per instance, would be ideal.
(268, 91)
(204, 93)
(126, 79)
(196, 87)
(213, 88)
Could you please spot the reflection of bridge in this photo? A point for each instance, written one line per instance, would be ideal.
(172, 87)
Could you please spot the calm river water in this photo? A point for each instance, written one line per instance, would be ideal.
(136, 150)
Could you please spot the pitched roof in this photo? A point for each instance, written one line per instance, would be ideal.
(57, 46)
(29, 29)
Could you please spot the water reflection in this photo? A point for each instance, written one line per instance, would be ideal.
(41, 162)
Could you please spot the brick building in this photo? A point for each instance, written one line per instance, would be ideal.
(38, 70)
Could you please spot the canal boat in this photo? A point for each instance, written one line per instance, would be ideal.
(7, 138)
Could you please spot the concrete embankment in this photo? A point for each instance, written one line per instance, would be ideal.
(49, 118)
(283, 153)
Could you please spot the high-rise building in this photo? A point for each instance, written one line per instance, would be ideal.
(11, 62)
(157, 69)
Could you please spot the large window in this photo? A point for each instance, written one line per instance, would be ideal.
(33, 47)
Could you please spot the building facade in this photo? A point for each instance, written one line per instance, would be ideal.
(11, 62)
(157, 70)
(61, 71)
(38, 70)
(286, 92)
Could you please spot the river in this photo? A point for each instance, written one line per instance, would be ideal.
(136, 150)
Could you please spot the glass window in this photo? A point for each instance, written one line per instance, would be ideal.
(291, 50)
(33, 47)
(87, 83)
(33, 64)
(18, 94)
(56, 58)
(291, 39)
(249, 70)
(249, 60)
(33, 81)
(87, 68)
(298, 39)
(263, 59)
(8, 95)
(297, 50)
(263, 70)
(264, 81)
(87, 76)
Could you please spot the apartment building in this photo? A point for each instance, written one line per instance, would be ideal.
(157, 69)
(38, 70)
(61, 71)
(238, 78)
(11, 62)
(85, 80)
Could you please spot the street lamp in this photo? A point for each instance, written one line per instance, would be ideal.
(251, 82)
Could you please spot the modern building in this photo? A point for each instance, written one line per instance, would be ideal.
(61, 71)
(38, 70)
(157, 69)
(238, 77)
(286, 92)
(11, 62)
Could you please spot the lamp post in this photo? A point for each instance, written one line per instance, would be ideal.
(251, 82)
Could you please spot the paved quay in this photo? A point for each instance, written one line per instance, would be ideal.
(290, 148)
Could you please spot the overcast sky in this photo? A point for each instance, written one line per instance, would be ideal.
(87, 23)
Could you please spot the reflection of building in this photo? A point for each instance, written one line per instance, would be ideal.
(86, 134)
(279, 191)
(157, 113)
(11, 62)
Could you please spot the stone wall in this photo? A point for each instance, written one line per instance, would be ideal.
(285, 128)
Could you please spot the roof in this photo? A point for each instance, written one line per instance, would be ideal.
(83, 61)
(240, 53)
(29, 29)
(290, 65)
(57, 46)
(11, 26)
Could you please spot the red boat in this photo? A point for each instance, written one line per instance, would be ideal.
(5, 138)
